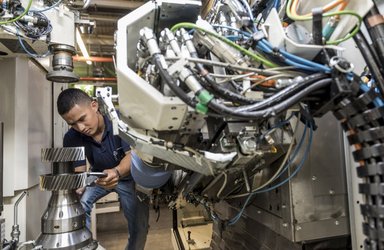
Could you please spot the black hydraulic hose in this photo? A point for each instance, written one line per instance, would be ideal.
(374, 22)
(217, 89)
(253, 104)
(271, 111)
(369, 58)
(221, 91)
(171, 83)
(285, 93)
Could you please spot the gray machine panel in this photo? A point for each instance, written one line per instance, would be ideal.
(314, 203)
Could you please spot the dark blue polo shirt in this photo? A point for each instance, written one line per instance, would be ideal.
(100, 155)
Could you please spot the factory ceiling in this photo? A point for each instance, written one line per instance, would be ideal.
(97, 24)
(100, 22)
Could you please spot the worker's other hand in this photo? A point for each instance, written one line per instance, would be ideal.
(110, 181)
(80, 191)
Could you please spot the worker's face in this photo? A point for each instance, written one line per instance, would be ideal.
(84, 118)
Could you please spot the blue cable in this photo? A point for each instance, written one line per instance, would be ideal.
(50, 7)
(233, 38)
(276, 4)
(28, 52)
(296, 59)
(290, 59)
(294, 154)
(298, 168)
(237, 217)
(265, 46)
(378, 101)
(301, 66)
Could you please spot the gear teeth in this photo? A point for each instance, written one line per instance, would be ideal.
(62, 181)
(62, 154)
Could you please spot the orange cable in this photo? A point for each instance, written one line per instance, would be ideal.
(357, 145)
(326, 8)
(268, 83)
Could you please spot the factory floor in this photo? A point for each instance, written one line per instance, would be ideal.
(112, 230)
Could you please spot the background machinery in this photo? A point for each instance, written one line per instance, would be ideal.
(230, 93)
(238, 101)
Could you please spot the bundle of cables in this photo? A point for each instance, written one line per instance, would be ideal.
(241, 106)
(30, 23)
(36, 26)
(277, 63)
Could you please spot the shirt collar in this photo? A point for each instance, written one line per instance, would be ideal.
(108, 126)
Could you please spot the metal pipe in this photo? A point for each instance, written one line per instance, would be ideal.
(92, 59)
(104, 79)
(86, 4)
(17, 204)
(15, 234)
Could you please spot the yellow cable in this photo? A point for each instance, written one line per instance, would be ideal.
(329, 14)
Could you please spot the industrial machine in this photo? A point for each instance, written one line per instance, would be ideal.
(63, 222)
(39, 30)
(232, 105)
(45, 32)
(230, 94)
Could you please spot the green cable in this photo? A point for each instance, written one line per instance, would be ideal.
(354, 31)
(227, 41)
(18, 17)
(342, 12)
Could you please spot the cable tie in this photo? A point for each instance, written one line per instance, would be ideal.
(317, 25)
(341, 64)
(257, 36)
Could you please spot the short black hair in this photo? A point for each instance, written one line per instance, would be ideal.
(69, 98)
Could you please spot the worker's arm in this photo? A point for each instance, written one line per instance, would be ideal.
(114, 174)
(80, 169)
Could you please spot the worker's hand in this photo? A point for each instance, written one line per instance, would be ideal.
(80, 191)
(110, 181)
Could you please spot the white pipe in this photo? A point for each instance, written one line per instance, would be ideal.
(86, 4)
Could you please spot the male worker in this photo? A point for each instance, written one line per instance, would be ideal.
(106, 153)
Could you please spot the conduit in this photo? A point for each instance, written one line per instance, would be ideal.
(104, 79)
(92, 59)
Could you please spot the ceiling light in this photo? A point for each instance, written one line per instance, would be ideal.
(82, 47)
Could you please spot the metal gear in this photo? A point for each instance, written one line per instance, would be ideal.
(62, 154)
(62, 182)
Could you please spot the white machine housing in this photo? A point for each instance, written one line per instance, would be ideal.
(141, 105)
